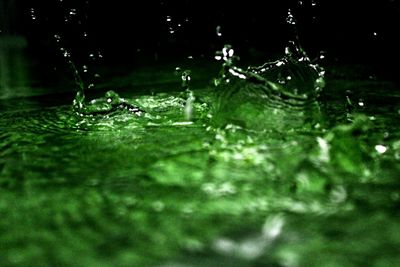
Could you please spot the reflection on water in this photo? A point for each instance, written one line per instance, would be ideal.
(13, 68)
(13, 65)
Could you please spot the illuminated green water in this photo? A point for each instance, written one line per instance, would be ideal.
(243, 184)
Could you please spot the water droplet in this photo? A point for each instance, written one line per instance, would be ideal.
(290, 18)
(185, 77)
(33, 13)
(227, 52)
(380, 149)
(313, 3)
(218, 30)
(66, 54)
(72, 11)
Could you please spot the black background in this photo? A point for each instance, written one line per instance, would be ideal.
(137, 32)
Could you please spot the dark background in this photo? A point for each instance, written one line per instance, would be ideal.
(136, 33)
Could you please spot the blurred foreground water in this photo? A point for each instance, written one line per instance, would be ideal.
(259, 167)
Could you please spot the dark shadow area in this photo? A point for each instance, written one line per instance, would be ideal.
(106, 40)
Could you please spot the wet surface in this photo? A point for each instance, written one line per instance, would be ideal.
(239, 182)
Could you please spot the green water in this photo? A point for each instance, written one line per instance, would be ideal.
(211, 176)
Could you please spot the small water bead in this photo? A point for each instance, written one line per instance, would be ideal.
(313, 3)
(73, 12)
(33, 13)
(186, 77)
(290, 18)
(66, 54)
(218, 57)
(218, 31)
(380, 149)
(228, 52)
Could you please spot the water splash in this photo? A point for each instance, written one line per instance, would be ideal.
(187, 94)
(75, 30)
(257, 94)
(106, 105)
